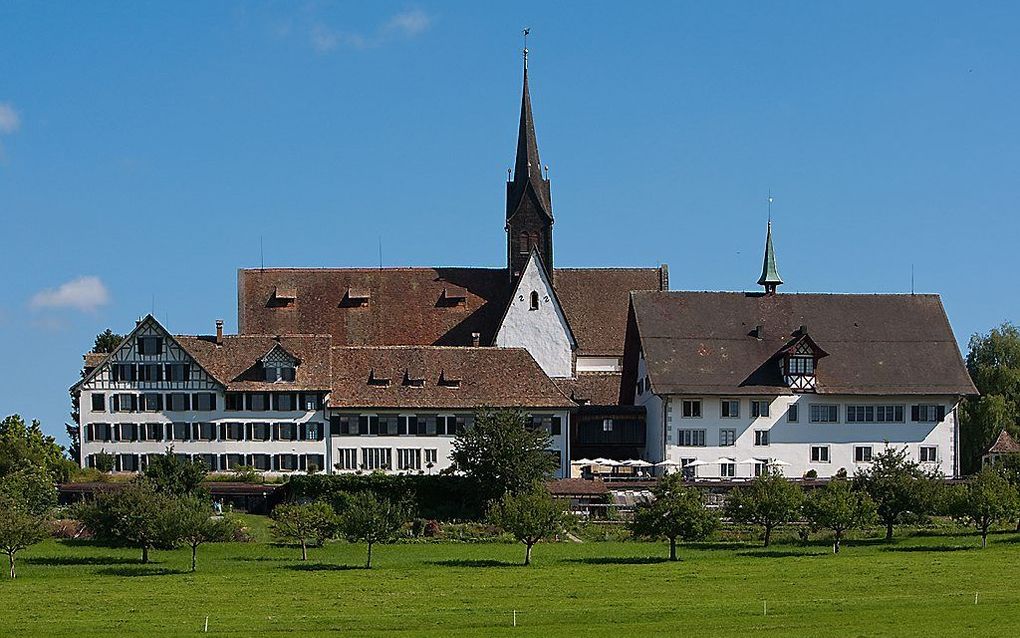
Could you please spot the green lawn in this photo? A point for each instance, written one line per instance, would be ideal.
(919, 586)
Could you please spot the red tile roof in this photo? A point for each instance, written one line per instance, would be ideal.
(235, 362)
(595, 388)
(1004, 444)
(488, 377)
(411, 306)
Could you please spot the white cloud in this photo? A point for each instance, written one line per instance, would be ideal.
(410, 23)
(84, 293)
(9, 119)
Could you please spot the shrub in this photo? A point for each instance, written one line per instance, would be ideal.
(439, 497)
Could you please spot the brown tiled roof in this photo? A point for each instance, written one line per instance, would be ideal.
(1004, 444)
(408, 306)
(488, 376)
(595, 388)
(700, 343)
(577, 487)
(235, 363)
(92, 359)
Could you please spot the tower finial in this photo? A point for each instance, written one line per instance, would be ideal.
(770, 205)
(526, 31)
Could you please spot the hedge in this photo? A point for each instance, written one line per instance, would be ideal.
(440, 497)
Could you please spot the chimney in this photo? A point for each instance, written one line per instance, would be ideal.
(803, 330)
(476, 339)
(219, 332)
(759, 332)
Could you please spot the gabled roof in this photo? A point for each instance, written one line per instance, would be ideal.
(488, 376)
(236, 363)
(535, 260)
(404, 307)
(702, 343)
(1004, 444)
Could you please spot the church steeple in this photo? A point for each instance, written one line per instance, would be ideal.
(769, 272)
(529, 216)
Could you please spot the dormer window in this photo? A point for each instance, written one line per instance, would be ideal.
(453, 296)
(280, 373)
(279, 365)
(799, 360)
(412, 380)
(801, 365)
(150, 346)
(446, 381)
(377, 381)
(356, 297)
(283, 297)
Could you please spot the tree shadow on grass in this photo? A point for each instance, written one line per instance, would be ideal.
(619, 560)
(323, 567)
(57, 561)
(724, 545)
(140, 570)
(780, 553)
(474, 563)
(264, 559)
(929, 548)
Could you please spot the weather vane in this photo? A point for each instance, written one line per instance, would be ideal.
(770, 205)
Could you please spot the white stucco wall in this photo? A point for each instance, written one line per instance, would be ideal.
(792, 442)
(543, 332)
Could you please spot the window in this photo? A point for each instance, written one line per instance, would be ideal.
(314, 462)
(607, 425)
(181, 431)
(260, 432)
(819, 453)
(178, 402)
(761, 437)
(368, 424)
(927, 413)
(556, 426)
(152, 402)
(100, 432)
(759, 408)
(929, 454)
(125, 403)
(177, 372)
(407, 425)
(801, 366)
(262, 462)
(205, 431)
(431, 456)
(127, 462)
(287, 462)
(409, 459)
(727, 437)
(150, 372)
(232, 431)
(203, 402)
(311, 401)
(862, 454)
(860, 414)
(347, 459)
(285, 431)
(534, 300)
(150, 346)
(761, 467)
(125, 372)
(153, 431)
(314, 431)
(691, 408)
(889, 413)
(99, 403)
(280, 373)
(727, 469)
(793, 413)
(258, 401)
(284, 402)
(730, 408)
(235, 401)
(128, 432)
(691, 438)
(376, 458)
(208, 460)
(824, 414)
(446, 425)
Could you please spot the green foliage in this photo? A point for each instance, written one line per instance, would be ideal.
(135, 515)
(439, 496)
(530, 517)
(677, 513)
(898, 486)
(19, 528)
(372, 520)
(993, 361)
(986, 500)
(501, 453)
(305, 524)
(103, 461)
(32, 487)
(171, 475)
(197, 526)
(23, 445)
(837, 506)
(769, 501)
(107, 341)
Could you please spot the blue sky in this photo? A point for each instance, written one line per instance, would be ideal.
(145, 148)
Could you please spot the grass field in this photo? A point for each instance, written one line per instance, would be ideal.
(922, 585)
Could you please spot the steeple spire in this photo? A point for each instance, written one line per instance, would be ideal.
(527, 163)
(769, 272)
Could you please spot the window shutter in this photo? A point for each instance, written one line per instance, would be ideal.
(915, 413)
(90, 432)
(302, 462)
(940, 412)
(115, 372)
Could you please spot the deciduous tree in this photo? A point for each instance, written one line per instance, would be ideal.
(19, 528)
(837, 506)
(135, 515)
(502, 453)
(197, 525)
(676, 513)
(898, 486)
(986, 500)
(529, 516)
(23, 444)
(770, 501)
(173, 475)
(372, 520)
(993, 361)
(32, 487)
(304, 524)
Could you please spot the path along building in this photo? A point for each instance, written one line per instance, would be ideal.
(364, 369)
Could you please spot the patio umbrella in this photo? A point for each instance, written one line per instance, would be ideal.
(602, 461)
(697, 463)
(667, 463)
(723, 459)
(636, 463)
(583, 462)
(777, 462)
(750, 461)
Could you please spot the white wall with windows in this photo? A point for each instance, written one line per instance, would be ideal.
(824, 433)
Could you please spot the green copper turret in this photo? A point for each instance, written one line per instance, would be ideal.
(769, 272)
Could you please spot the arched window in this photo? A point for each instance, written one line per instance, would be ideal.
(534, 300)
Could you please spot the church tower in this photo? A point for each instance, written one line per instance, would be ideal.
(529, 219)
